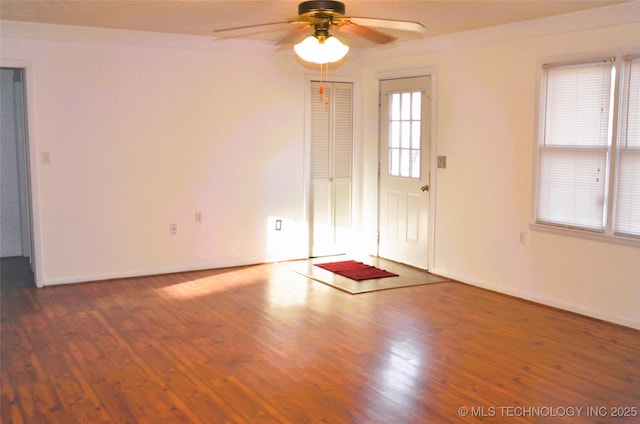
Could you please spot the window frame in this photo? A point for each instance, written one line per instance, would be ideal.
(608, 235)
(625, 85)
(411, 150)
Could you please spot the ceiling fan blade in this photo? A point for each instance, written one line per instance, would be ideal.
(241, 30)
(295, 35)
(366, 32)
(392, 24)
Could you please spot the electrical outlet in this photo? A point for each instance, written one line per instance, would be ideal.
(173, 228)
(46, 158)
(198, 217)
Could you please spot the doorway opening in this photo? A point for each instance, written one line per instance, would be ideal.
(15, 194)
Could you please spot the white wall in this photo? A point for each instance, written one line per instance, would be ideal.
(144, 130)
(486, 117)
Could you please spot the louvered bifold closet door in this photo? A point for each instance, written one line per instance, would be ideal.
(331, 166)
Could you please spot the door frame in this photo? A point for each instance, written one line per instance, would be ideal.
(356, 151)
(411, 73)
(31, 153)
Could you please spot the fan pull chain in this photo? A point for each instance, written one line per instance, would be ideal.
(326, 79)
(321, 89)
(325, 99)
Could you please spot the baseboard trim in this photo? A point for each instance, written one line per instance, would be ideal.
(553, 303)
(146, 272)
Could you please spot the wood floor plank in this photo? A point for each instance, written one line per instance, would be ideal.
(264, 344)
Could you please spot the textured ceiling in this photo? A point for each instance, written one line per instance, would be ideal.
(202, 17)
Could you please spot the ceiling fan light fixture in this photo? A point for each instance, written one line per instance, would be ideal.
(321, 50)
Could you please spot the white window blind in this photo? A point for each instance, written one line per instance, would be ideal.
(627, 215)
(576, 121)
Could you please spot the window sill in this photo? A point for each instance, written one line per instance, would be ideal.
(587, 235)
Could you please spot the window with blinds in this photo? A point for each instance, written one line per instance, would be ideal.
(575, 145)
(627, 216)
(587, 180)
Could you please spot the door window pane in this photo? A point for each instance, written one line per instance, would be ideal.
(415, 164)
(394, 162)
(395, 107)
(394, 140)
(416, 104)
(405, 134)
(405, 164)
(415, 135)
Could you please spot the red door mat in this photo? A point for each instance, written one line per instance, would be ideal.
(356, 270)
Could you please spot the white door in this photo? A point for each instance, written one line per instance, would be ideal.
(405, 111)
(331, 167)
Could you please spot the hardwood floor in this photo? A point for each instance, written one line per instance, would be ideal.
(265, 344)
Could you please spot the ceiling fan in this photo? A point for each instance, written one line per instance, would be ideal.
(318, 19)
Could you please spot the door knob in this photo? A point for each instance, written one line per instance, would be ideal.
(424, 188)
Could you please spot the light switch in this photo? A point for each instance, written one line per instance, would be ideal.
(442, 162)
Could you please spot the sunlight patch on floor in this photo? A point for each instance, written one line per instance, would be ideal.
(201, 287)
(290, 295)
